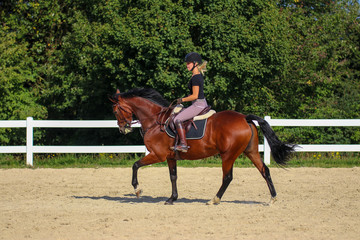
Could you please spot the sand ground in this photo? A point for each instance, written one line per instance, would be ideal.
(313, 203)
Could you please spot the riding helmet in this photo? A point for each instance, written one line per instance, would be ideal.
(193, 57)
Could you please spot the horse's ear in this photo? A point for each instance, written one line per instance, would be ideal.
(112, 98)
(117, 91)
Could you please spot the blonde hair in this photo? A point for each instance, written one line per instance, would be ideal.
(202, 67)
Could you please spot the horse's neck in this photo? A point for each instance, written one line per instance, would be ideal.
(145, 110)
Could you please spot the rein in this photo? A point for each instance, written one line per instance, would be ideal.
(160, 120)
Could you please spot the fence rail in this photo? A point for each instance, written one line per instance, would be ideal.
(30, 124)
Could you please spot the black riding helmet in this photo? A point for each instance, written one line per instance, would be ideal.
(193, 57)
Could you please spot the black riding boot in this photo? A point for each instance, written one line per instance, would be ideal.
(182, 147)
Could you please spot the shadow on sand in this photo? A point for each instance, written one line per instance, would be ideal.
(131, 198)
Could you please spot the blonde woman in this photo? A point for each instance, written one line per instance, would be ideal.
(194, 64)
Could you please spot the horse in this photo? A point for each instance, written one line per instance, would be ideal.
(228, 133)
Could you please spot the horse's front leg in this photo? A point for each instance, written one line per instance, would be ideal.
(134, 181)
(173, 178)
(147, 160)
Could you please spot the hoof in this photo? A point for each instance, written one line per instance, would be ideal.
(272, 200)
(138, 192)
(171, 200)
(214, 201)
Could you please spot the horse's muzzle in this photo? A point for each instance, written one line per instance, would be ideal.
(125, 129)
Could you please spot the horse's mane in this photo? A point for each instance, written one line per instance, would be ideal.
(147, 93)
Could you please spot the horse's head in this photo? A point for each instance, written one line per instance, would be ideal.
(122, 113)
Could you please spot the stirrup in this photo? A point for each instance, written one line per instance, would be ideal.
(174, 147)
(183, 148)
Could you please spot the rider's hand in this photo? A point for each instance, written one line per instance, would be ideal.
(179, 101)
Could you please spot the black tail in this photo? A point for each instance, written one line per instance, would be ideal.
(279, 150)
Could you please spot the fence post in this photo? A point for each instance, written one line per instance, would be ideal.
(267, 150)
(29, 141)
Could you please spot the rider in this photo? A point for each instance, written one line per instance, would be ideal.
(194, 64)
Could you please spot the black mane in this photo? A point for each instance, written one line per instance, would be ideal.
(147, 93)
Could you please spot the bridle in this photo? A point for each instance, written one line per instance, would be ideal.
(160, 120)
(123, 119)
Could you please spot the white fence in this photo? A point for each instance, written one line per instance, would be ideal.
(314, 123)
(30, 149)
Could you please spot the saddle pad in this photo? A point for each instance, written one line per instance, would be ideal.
(206, 115)
(192, 133)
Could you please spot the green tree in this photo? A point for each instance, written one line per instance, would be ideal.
(19, 93)
(288, 59)
(323, 76)
(323, 80)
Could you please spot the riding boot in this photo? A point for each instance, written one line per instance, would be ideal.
(182, 147)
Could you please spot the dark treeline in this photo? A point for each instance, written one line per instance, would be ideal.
(60, 59)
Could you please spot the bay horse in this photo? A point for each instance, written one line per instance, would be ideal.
(228, 133)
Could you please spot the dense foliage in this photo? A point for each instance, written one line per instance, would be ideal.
(60, 59)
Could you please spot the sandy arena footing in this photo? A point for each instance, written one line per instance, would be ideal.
(312, 203)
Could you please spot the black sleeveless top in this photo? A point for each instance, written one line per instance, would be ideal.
(197, 80)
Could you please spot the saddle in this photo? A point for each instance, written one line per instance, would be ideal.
(194, 128)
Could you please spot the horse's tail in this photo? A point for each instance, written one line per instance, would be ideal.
(279, 150)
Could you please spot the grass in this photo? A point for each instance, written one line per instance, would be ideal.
(323, 160)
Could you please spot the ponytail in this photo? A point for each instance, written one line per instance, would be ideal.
(202, 67)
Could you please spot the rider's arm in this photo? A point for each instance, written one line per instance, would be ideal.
(193, 96)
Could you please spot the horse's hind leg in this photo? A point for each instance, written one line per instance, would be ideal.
(252, 152)
(264, 170)
(227, 168)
